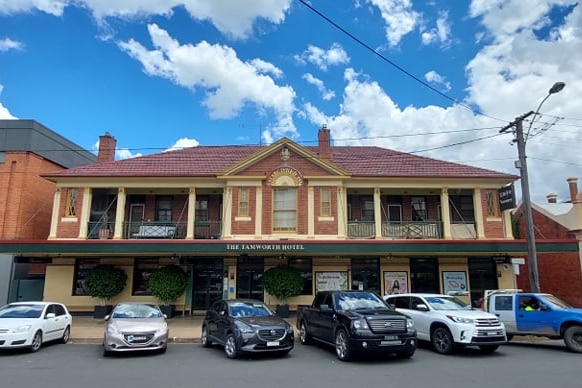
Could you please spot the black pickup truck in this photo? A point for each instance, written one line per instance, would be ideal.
(356, 322)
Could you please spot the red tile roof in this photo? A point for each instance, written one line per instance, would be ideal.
(211, 160)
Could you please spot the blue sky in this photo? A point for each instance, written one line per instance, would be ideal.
(435, 78)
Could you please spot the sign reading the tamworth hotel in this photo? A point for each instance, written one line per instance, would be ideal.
(265, 247)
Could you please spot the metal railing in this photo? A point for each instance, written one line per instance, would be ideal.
(396, 230)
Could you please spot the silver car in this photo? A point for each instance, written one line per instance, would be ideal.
(135, 327)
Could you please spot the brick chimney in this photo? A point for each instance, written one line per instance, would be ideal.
(573, 184)
(324, 147)
(107, 144)
(552, 198)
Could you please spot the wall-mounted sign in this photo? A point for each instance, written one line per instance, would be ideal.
(506, 197)
(331, 281)
(395, 282)
(454, 281)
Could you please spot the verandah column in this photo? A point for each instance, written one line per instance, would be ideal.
(85, 212)
(478, 208)
(377, 214)
(55, 217)
(446, 214)
(191, 213)
(120, 213)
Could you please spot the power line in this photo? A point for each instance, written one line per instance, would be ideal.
(393, 64)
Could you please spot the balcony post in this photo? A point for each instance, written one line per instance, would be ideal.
(478, 209)
(191, 213)
(446, 214)
(120, 213)
(85, 213)
(55, 217)
(342, 211)
(377, 214)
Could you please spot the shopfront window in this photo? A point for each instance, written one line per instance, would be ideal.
(82, 266)
(303, 265)
(424, 274)
(142, 269)
(366, 274)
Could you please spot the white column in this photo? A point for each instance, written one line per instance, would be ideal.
(342, 210)
(120, 213)
(259, 212)
(507, 227)
(479, 224)
(310, 212)
(446, 214)
(227, 213)
(191, 213)
(55, 217)
(377, 214)
(85, 213)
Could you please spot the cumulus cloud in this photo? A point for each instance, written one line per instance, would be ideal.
(120, 153)
(441, 33)
(322, 58)
(7, 44)
(435, 78)
(326, 94)
(52, 7)
(184, 143)
(4, 112)
(399, 17)
(228, 82)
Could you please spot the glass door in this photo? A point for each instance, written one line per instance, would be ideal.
(249, 272)
(207, 277)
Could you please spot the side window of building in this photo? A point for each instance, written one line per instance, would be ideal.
(367, 211)
(81, 268)
(243, 202)
(71, 205)
(142, 269)
(325, 202)
(164, 208)
(492, 203)
(303, 265)
(418, 207)
(285, 209)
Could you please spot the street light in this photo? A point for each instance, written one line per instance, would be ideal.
(532, 258)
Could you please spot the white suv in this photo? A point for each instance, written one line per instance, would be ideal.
(446, 322)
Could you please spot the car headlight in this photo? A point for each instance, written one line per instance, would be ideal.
(21, 329)
(112, 329)
(289, 329)
(162, 329)
(246, 331)
(409, 324)
(460, 319)
(361, 324)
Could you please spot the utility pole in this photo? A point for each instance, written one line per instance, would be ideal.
(532, 258)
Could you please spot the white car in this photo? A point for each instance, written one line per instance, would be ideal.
(30, 324)
(448, 322)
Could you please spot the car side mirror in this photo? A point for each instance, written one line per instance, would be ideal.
(421, 307)
(106, 318)
(50, 315)
(222, 313)
(325, 308)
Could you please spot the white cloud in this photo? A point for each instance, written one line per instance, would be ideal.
(52, 7)
(120, 153)
(4, 113)
(267, 68)
(229, 83)
(435, 78)
(399, 18)
(326, 94)
(322, 58)
(9, 44)
(440, 33)
(184, 143)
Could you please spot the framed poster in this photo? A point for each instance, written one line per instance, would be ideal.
(395, 282)
(331, 281)
(454, 281)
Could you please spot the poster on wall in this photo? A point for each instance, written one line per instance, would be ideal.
(454, 281)
(331, 281)
(395, 282)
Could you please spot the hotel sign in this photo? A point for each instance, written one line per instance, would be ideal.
(265, 247)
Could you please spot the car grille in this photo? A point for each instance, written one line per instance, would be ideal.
(274, 334)
(138, 338)
(387, 325)
(486, 322)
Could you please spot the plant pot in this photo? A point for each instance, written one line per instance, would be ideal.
(101, 311)
(282, 310)
(168, 310)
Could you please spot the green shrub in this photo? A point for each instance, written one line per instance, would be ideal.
(283, 282)
(168, 283)
(105, 281)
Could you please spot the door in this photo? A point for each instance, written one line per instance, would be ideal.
(136, 217)
(249, 272)
(534, 319)
(502, 307)
(207, 277)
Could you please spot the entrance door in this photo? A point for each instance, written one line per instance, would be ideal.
(482, 276)
(249, 272)
(136, 216)
(206, 283)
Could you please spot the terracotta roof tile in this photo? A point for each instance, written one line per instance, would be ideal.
(211, 160)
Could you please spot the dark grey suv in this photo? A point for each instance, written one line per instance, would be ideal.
(246, 326)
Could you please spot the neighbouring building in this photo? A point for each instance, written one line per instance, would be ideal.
(28, 150)
(560, 273)
(351, 217)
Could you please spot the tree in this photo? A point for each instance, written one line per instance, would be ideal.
(105, 281)
(283, 282)
(168, 283)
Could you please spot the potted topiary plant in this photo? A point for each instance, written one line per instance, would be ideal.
(104, 281)
(167, 284)
(283, 282)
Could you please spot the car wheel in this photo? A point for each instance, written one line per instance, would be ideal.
(66, 335)
(36, 342)
(206, 342)
(488, 348)
(230, 346)
(573, 338)
(342, 345)
(442, 340)
(304, 336)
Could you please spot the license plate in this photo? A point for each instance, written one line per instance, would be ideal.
(390, 337)
(273, 343)
(385, 343)
(139, 338)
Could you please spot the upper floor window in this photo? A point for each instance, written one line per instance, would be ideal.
(492, 203)
(418, 205)
(462, 208)
(367, 210)
(243, 202)
(285, 209)
(164, 208)
(325, 199)
(71, 206)
(202, 209)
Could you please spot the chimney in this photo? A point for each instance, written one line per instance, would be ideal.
(573, 184)
(107, 144)
(324, 146)
(552, 198)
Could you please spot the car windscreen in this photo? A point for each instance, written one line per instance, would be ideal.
(136, 311)
(359, 300)
(22, 311)
(446, 303)
(242, 309)
(555, 302)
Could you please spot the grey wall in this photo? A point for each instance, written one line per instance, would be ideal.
(5, 276)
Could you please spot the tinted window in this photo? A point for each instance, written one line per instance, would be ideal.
(503, 303)
(400, 302)
(59, 310)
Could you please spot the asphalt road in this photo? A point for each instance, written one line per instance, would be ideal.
(190, 365)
